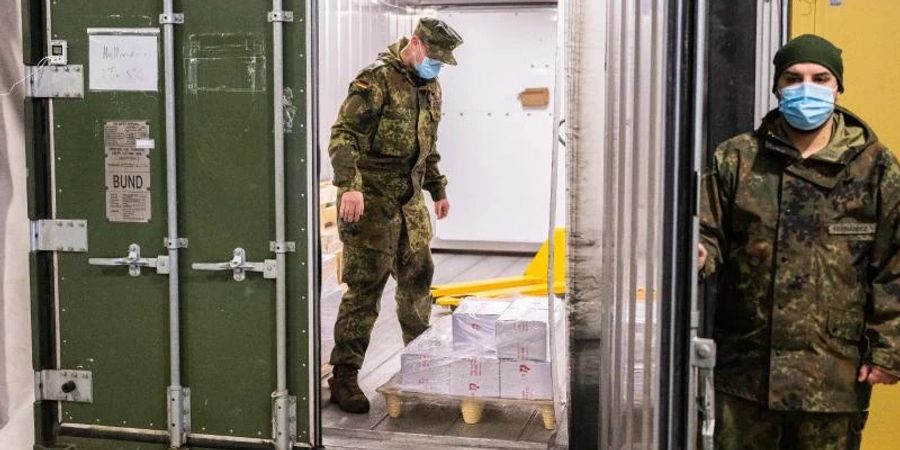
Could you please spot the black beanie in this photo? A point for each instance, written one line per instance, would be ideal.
(809, 48)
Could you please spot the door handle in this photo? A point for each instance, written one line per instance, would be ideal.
(239, 266)
(134, 262)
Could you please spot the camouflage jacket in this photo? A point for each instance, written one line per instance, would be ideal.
(805, 252)
(383, 144)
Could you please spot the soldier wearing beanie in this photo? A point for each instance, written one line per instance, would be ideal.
(799, 220)
(384, 154)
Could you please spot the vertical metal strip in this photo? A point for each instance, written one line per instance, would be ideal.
(282, 417)
(698, 145)
(175, 397)
(678, 168)
(621, 137)
(649, 426)
(608, 392)
(313, 254)
(51, 158)
(551, 226)
(635, 153)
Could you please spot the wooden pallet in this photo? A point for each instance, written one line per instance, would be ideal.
(471, 408)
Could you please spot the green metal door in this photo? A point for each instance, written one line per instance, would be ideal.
(99, 156)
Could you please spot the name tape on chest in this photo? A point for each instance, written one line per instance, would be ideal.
(851, 229)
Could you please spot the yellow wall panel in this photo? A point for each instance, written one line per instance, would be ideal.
(869, 33)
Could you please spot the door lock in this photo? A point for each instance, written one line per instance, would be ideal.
(134, 262)
(239, 266)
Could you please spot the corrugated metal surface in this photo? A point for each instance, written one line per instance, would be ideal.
(615, 114)
(770, 35)
(353, 32)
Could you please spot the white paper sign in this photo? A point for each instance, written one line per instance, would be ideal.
(124, 61)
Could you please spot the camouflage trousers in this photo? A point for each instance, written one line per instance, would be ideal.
(746, 425)
(366, 271)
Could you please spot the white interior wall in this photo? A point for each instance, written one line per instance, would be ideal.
(496, 153)
(16, 379)
(353, 33)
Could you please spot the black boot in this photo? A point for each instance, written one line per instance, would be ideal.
(345, 391)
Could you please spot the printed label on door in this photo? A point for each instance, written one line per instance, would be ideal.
(127, 171)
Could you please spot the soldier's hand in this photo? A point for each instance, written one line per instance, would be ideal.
(441, 208)
(352, 206)
(701, 256)
(873, 375)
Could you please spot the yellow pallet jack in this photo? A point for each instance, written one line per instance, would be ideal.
(532, 283)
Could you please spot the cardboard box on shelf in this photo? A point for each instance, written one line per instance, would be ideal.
(525, 380)
(474, 325)
(475, 376)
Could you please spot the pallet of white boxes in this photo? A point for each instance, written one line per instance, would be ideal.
(492, 352)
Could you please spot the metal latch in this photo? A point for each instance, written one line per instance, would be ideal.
(55, 81)
(64, 386)
(134, 262)
(703, 360)
(59, 236)
(240, 266)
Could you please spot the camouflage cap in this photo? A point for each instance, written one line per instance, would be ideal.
(439, 38)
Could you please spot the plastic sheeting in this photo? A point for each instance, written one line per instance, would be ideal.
(16, 376)
(488, 348)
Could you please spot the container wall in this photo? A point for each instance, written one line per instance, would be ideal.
(615, 143)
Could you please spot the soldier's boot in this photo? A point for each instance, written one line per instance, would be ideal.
(345, 391)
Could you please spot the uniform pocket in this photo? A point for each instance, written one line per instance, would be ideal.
(847, 325)
(397, 134)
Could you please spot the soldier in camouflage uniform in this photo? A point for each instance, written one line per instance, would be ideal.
(799, 220)
(383, 150)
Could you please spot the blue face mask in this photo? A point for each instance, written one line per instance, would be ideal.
(429, 68)
(806, 106)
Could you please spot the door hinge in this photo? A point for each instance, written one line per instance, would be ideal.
(283, 247)
(174, 19)
(703, 361)
(176, 394)
(284, 404)
(64, 386)
(59, 236)
(55, 81)
(280, 16)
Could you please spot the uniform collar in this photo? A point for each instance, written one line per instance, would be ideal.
(849, 136)
(392, 58)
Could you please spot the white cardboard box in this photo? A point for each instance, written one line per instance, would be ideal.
(522, 332)
(474, 325)
(525, 380)
(425, 373)
(425, 362)
(475, 377)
